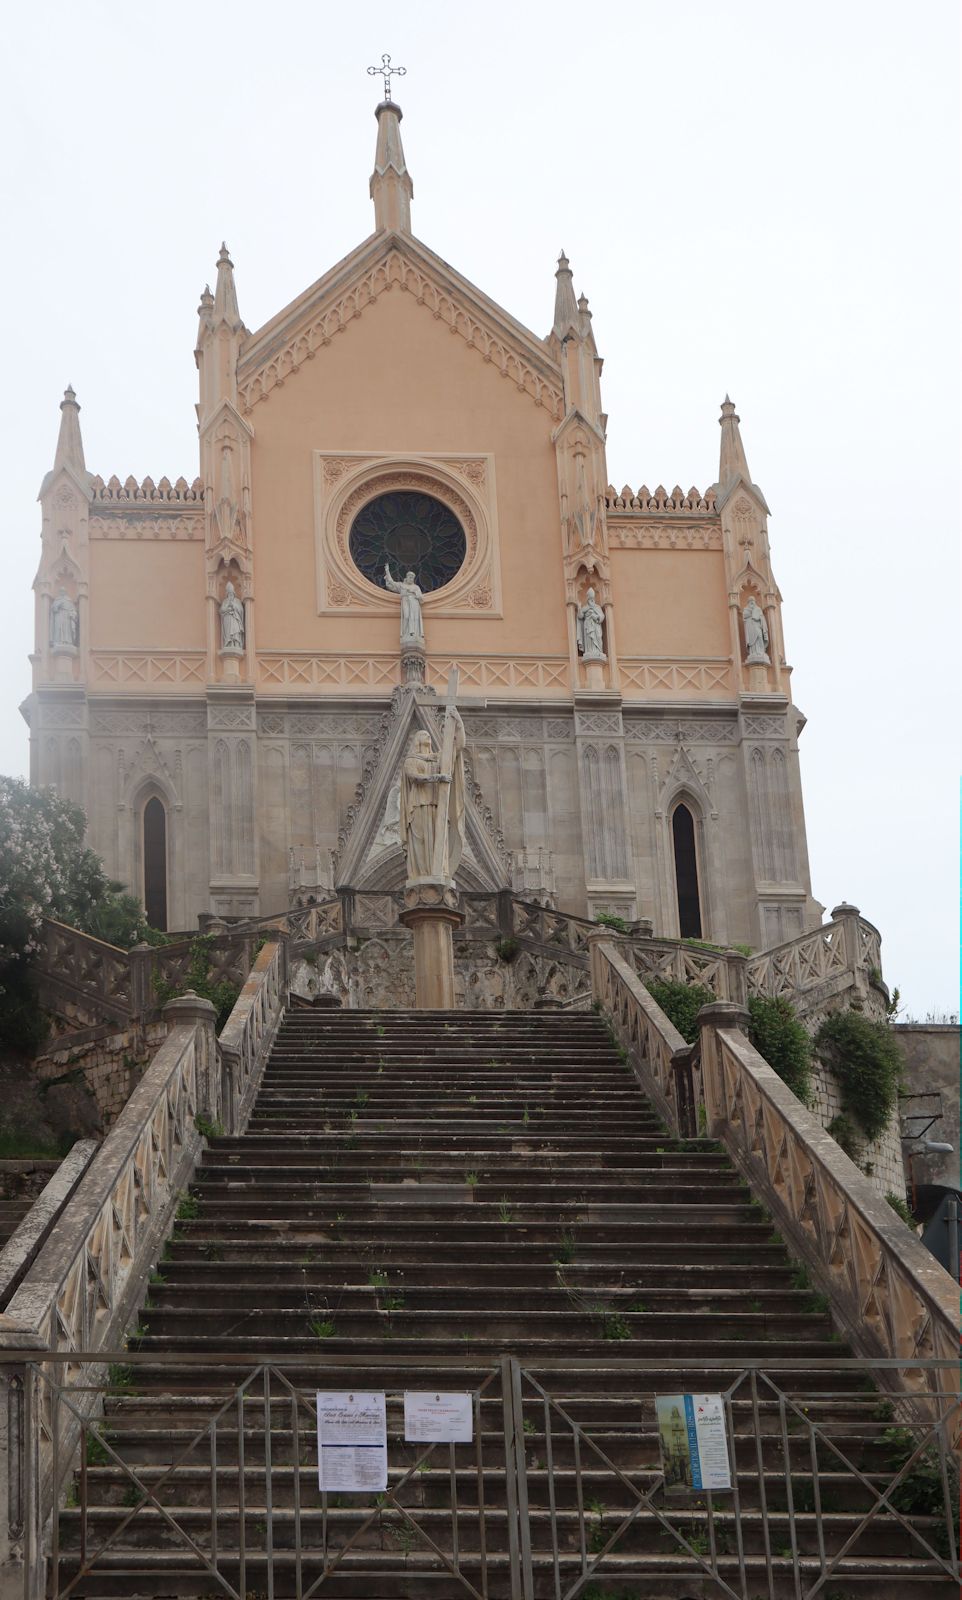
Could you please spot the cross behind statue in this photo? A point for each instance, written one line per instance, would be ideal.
(445, 775)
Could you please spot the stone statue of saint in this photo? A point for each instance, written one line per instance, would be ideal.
(412, 626)
(589, 623)
(420, 778)
(231, 621)
(756, 632)
(64, 622)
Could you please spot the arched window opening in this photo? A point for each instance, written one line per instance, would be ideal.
(155, 863)
(686, 873)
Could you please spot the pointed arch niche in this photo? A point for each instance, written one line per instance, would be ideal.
(155, 861)
(684, 823)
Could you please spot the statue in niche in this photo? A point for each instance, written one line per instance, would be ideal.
(412, 625)
(756, 632)
(231, 622)
(64, 622)
(389, 833)
(588, 627)
(420, 779)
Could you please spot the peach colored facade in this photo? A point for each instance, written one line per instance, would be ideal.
(394, 374)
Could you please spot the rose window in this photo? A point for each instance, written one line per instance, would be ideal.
(410, 532)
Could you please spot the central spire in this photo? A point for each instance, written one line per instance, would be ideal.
(391, 186)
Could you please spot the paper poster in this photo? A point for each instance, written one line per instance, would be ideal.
(351, 1441)
(694, 1444)
(437, 1418)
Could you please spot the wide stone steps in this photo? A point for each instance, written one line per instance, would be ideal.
(417, 1194)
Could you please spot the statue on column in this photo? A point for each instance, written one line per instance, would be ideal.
(231, 622)
(588, 628)
(412, 625)
(64, 622)
(756, 633)
(421, 778)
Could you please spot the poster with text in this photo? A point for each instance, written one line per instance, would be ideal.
(694, 1443)
(437, 1418)
(351, 1441)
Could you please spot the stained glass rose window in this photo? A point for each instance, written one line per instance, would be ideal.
(411, 532)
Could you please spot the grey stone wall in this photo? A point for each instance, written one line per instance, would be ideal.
(111, 1061)
(931, 1055)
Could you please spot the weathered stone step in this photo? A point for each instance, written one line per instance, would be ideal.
(492, 1278)
(404, 1339)
(288, 1294)
(283, 1198)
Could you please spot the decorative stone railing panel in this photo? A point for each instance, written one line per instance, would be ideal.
(887, 1291)
(89, 978)
(720, 971)
(248, 1033)
(553, 931)
(890, 1297)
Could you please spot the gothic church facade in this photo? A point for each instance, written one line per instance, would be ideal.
(218, 678)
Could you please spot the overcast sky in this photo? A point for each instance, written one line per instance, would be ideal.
(756, 197)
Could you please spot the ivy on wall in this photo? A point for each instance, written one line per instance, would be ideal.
(866, 1063)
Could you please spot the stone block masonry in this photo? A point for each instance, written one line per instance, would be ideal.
(111, 1061)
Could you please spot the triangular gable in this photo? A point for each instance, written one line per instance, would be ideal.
(357, 842)
(385, 263)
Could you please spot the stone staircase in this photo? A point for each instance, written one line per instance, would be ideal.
(425, 1192)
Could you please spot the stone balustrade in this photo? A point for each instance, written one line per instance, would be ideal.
(89, 1278)
(889, 1296)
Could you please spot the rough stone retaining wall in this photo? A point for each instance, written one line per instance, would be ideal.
(880, 1160)
(111, 1059)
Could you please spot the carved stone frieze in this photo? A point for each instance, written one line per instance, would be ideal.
(228, 719)
(664, 535)
(55, 717)
(764, 727)
(593, 723)
(161, 722)
(180, 526)
(656, 730)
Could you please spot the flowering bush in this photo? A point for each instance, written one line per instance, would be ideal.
(46, 870)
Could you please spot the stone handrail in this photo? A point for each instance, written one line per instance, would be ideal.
(87, 974)
(32, 1232)
(247, 1035)
(89, 1278)
(888, 1295)
(845, 953)
(721, 971)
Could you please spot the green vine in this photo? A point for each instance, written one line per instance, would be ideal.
(608, 919)
(222, 995)
(681, 1003)
(867, 1065)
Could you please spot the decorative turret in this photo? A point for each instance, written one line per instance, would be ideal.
(733, 463)
(391, 185)
(225, 294)
(566, 319)
(70, 450)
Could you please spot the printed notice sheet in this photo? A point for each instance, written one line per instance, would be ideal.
(694, 1445)
(351, 1441)
(437, 1418)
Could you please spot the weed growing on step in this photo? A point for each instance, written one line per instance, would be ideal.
(188, 1208)
(377, 1278)
(526, 1117)
(471, 1179)
(391, 1302)
(322, 1327)
(120, 1376)
(132, 1496)
(156, 1280)
(71, 1498)
(96, 1452)
(613, 1326)
(529, 1426)
(505, 1213)
(361, 1098)
(566, 1250)
(212, 1249)
(209, 1129)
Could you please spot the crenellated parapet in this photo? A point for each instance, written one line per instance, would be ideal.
(113, 492)
(661, 502)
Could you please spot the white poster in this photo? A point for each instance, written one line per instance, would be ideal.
(437, 1418)
(694, 1445)
(351, 1441)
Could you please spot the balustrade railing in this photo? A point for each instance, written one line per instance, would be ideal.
(891, 1297)
(248, 1033)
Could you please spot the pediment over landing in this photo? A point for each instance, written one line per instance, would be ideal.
(370, 854)
(396, 263)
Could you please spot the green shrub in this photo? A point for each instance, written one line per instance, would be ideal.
(222, 995)
(507, 949)
(900, 1207)
(845, 1134)
(777, 1034)
(681, 1003)
(867, 1065)
(608, 919)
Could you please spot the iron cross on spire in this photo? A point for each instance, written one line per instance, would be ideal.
(386, 71)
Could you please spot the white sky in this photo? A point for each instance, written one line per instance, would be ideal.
(756, 197)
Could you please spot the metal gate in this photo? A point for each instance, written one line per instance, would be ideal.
(560, 1495)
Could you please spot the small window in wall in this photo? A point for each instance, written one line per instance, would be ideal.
(686, 873)
(155, 863)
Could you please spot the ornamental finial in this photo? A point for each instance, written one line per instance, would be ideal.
(386, 71)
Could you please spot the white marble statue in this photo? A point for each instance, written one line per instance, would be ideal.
(231, 621)
(412, 625)
(64, 622)
(589, 623)
(420, 778)
(756, 632)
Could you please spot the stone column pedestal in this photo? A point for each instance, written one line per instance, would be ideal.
(431, 912)
(63, 657)
(413, 662)
(230, 665)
